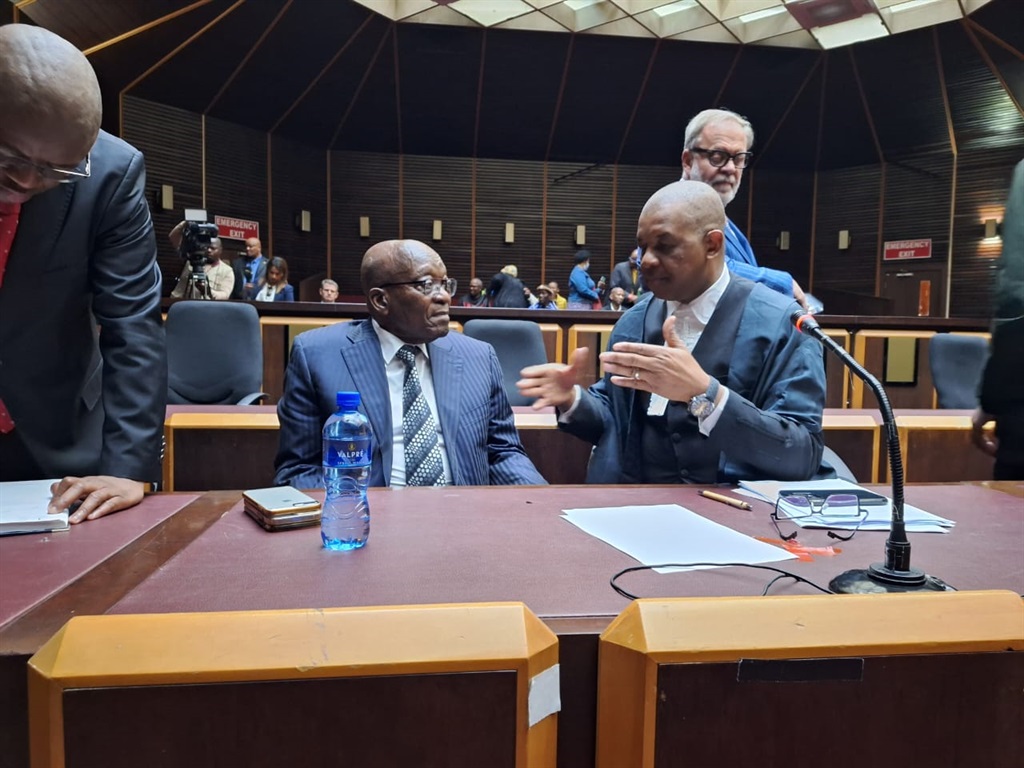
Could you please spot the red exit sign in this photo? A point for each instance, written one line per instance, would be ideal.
(896, 250)
(237, 229)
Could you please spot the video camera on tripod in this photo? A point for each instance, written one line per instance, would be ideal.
(196, 240)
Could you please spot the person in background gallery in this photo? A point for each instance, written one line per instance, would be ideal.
(545, 300)
(276, 288)
(716, 150)
(627, 276)
(220, 278)
(328, 291)
(616, 299)
(560, 301)
(250, 270)
(77, 255)
(584, 293)
(476, 296)
(507, 290)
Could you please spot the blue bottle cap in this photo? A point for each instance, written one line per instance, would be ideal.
(348, 401)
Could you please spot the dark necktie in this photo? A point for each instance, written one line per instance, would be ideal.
(423, 464)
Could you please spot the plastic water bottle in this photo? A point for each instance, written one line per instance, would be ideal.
(348, 450)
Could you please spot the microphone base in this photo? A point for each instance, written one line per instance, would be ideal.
(878, 579)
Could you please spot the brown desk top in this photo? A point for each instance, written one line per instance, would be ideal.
(474, 544)
(34, 567)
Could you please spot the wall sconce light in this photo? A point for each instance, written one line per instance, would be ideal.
(304, 221)
(783, 241)
(581, 235)
(991, 229)
(435, 232)
(510, 232)
(364, 226)
(844, 239)
(166, 197)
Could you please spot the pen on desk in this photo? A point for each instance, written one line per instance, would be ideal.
(725, 499)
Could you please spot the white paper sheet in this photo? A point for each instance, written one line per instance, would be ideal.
(875, 517)
(669, 533)
(23, 508)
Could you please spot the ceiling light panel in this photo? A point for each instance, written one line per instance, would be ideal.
(487, 13)
(733, 9)
(867, 27)
(582, 17)
(914, 14)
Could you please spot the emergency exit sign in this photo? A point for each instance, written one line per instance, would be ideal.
(237, 229)
(897, 250)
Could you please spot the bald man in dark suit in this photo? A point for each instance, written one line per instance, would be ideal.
(408, 294)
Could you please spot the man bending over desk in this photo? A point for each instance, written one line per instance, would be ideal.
(436, 402)
(706, 381)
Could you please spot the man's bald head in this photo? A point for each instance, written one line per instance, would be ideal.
(681, 236)
(50, 101)
(389, 275)
(47, 81)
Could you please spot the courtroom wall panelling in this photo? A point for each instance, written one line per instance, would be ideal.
(783, 200)
(983, 181)
(506, 191)
(577, 194)
(440, 188)
(848, 198)
(236, 177)
(362, 184)
(171, 141)
(299, 182)
(635, 184)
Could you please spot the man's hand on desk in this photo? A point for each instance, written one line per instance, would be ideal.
(99, 495)
(983, 438)
(553, 383)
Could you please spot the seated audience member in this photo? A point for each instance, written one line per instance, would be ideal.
(1001, 394)
(544, 298)
(220, 278)
(328, 291)
(627, 276)
(276, 288)
(584, 293)
(77, 250)
(716, 149)
(436, 401)
(706, 380)
(616, 299)
(476, 296)
(250, 270)
(560, 300)
(507, 290)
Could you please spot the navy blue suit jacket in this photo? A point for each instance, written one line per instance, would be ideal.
(86, 402)
(476, 420)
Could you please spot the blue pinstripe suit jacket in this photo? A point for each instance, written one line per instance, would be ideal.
(476, 420)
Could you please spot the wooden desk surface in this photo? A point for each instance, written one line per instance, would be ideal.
(461, 544)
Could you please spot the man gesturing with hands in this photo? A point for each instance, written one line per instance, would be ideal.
(705, 379)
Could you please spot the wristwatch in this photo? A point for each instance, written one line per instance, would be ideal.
(703, 405)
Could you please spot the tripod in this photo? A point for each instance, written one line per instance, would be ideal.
(198, 286)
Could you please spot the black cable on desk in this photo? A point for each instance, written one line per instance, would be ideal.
(781, 572)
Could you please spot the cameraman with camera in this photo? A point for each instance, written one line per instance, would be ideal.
(204, 275)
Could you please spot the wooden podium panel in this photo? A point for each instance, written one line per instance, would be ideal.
(442, 685)
(839, 680)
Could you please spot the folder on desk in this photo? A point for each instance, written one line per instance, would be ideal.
(23, 508)
(871, 517)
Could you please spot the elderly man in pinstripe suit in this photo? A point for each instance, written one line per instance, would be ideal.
(400, 358)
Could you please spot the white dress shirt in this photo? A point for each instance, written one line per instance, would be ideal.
(395, 370)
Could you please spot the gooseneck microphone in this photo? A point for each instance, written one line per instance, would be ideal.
(895, 573)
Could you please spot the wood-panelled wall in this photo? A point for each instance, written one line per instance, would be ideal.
(239, 172)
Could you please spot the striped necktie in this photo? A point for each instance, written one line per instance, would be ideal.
(423, 464)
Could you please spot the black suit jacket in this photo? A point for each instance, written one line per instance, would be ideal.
(239, 292)
(87, 400)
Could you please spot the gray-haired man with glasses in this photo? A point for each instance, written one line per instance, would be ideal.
(433, 398)
(716, 150)
(83, 370)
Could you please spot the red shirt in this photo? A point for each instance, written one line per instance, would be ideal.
(9, 215)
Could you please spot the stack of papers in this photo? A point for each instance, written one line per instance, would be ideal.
(871, 518)
(668, 533)
(23, 508)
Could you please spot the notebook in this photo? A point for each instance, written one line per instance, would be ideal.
(23, 508)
